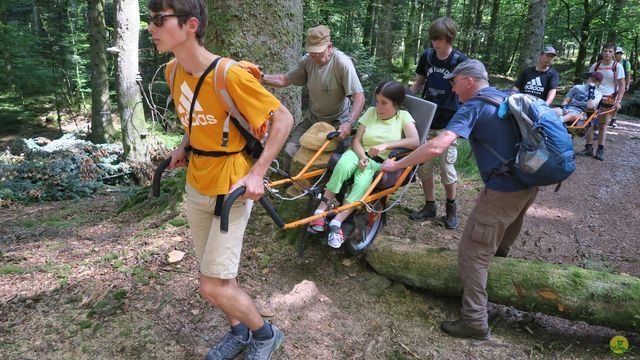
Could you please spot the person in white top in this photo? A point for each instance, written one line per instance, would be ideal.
(612, 88)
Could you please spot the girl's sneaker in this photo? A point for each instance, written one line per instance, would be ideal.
(317, 226)
(335, 237)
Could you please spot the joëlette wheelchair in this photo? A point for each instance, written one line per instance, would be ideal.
(365, 222)
(586, 120)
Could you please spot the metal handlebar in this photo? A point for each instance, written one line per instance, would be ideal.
(155, 187)
(231, 198)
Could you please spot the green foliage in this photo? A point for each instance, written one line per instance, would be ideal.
(171, 194)
(466, 163)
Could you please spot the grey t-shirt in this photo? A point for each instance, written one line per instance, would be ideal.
(579, 96)
(328, 84)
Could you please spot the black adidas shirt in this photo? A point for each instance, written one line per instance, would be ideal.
(436, 88)
(537, 83)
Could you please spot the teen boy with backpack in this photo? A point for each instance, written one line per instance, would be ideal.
(626, 65)
(434, 64)
(612, 88)
(496, 219)
(214, 170)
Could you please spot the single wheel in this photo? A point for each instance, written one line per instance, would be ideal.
(366, 227)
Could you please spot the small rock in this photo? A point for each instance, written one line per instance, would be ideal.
(346, 262)
(175, 256)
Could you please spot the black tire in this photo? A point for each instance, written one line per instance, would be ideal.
(366, 228)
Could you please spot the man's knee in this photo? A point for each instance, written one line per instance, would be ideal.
(215, 290)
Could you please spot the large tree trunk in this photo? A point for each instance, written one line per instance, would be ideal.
(384, 46)
(614, 18)
(561, 290)
(533, 34)
(134, 130)
(491, 33)
(409, 44)
(240, 30)
(101, 122)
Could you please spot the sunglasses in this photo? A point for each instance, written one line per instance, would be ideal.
(158, 19)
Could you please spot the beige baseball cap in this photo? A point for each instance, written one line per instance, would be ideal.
(318, 38)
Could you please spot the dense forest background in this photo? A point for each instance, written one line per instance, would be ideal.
(62, 51)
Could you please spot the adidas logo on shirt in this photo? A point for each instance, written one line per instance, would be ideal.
(199, 118)
(534, 86)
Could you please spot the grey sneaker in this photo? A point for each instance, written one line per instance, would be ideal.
(262, 350)
(427, 211)
(588, 150)
(459, 329)
(228, 348)
(451, 220)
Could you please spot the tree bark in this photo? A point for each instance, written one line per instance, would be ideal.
(533, 34)
(240, 30)
(409, 41)
(614, 20)
(384, 47)
(561, 290)
(491, 34)
(134, 130)
(102, 128)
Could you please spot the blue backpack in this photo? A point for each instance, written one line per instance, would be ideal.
(545, 152)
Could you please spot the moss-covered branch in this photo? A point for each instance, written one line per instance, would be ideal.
(561, 290)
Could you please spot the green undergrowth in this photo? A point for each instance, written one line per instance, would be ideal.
(140, 200)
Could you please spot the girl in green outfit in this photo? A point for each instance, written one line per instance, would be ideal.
(381, 129)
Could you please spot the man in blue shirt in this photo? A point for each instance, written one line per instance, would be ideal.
(496, 220)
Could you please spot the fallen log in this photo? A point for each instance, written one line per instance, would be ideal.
(565, 291)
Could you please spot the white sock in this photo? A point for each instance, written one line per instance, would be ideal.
(318, 211)
(335, 222)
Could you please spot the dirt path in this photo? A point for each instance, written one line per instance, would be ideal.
(79, 281)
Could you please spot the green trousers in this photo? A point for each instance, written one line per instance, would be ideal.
(347, 167)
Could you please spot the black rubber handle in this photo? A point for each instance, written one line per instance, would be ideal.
(399, 152)
(332, 135)
(235, 194)
(155, 187)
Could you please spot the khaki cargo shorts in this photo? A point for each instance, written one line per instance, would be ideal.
(448, 174)
(218, 254)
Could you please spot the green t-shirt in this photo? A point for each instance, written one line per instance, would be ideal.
(380, 131)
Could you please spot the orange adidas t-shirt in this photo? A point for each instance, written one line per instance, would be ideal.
(215, 175)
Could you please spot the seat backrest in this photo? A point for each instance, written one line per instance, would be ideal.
(422, 112)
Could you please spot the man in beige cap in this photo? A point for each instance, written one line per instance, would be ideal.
(496, 220)
(331, 78)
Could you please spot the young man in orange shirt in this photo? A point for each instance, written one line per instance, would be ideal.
(178, 26)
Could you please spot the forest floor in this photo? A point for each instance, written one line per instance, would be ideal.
(79, 280)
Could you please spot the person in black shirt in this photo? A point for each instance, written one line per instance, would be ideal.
(540, 80)
(433, 65)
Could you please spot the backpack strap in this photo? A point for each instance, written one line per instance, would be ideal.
(507, 164)
(172, 76)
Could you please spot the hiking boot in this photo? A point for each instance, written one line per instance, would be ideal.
(600, 153)
(428, 211)
(451, 221)
(502, 253)
(262, 350)
(335, 237)
(228, 348)
(613, 124)
(457, 328)
(588, 150)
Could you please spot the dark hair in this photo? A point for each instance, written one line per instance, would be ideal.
(187, 9)
(609, 46)
(392, 90)
(443, 28)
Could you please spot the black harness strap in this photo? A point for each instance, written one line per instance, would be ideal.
(197, 89)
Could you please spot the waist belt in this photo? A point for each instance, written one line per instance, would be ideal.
(210, 153)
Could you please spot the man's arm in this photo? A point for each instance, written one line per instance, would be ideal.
(276, 80)
(281, 124)
(621, 87)
(418, 84)
(433, 148)
(551, 95)
(356, 110)
(179, 155)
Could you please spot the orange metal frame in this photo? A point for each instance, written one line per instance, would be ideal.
(592, 115)
(368, 196)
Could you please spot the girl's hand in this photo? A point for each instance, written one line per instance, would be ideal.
(376, 150)
(362, 164)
